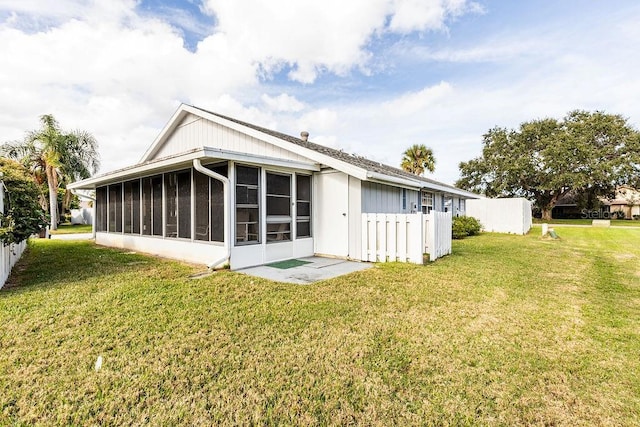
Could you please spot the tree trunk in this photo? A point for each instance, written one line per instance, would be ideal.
(52, 181)
(546, 213)
(66, 201)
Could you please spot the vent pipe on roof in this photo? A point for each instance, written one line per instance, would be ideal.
(304, 135)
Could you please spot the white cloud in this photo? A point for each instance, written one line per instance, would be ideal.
(331, 35)
(282, 103)
(413, 102)
(422, 15)
(103, 66)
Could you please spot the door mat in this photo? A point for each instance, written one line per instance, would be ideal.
(290, 263)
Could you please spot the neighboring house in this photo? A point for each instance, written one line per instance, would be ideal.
(566, 207)
(627, 200)
(215, 190)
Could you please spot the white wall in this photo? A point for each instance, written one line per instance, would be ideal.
(195, 132)
(184, 250)
(512, 215)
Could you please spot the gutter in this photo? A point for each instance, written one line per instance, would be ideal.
(227, 226)
(93, 217)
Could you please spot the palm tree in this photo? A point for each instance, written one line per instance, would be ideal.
(59, 156)
(418, 158)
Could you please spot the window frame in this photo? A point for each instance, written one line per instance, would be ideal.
(305, 219)
(248, 206)
(428, 197)
(280, 234)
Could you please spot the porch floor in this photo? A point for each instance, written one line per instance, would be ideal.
(314, 269)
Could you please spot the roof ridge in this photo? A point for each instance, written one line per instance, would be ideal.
(353, 159)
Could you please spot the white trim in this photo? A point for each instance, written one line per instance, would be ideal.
(184, 160)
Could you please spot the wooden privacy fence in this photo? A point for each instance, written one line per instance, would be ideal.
(405, 237)
(437, 234)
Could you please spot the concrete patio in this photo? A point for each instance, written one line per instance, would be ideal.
(314, 269)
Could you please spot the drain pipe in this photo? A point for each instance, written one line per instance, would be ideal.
(93, 217)
(227, 227)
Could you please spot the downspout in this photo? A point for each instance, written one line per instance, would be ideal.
(227, 227)
(93, 217)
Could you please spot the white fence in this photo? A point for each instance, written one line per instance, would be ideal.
(10, 254)
(405, 237)
(509, 215)
(82, 216)
(437, 234)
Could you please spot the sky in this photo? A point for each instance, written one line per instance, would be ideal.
(370, 77)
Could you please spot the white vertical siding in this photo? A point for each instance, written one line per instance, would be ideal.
(355, 212)
(195, 132)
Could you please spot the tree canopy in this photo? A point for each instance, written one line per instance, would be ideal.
(418, 158)
(22, 215)
(543, 160)
(55, 156)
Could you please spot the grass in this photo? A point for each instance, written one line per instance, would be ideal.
(72, 229)
(614, 222)
(509, 330)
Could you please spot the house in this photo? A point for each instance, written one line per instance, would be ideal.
(625, 205)
(215, 190)
(627, 201)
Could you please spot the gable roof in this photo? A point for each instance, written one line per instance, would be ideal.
(358, 166)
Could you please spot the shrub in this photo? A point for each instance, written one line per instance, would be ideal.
(23, 215)
(464, 226)
(620, 215)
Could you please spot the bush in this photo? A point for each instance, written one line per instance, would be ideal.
(23, 215)
(464, 226)
(620, 214)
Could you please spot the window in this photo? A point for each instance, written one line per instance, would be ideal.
(278, 207)
(426, 200)
(447, 203)
(202, 220)
(115, 208)
(147, 197)
(303, 206)
(217, 203)
(247, 204)
(132, 207)
(156, 205)
(209, 205)
(404, 199)
(177, 203)
(184, 204)
(171, 204)
(101, 209)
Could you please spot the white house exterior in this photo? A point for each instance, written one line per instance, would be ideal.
(216, 191)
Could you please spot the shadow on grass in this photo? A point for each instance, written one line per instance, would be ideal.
(54, 263)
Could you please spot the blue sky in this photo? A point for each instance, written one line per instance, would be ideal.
(368, 76)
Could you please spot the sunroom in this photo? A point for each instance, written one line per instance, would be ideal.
(213, 211)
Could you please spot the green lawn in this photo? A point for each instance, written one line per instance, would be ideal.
(72, 229)
(615, 222)
(509, 330)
